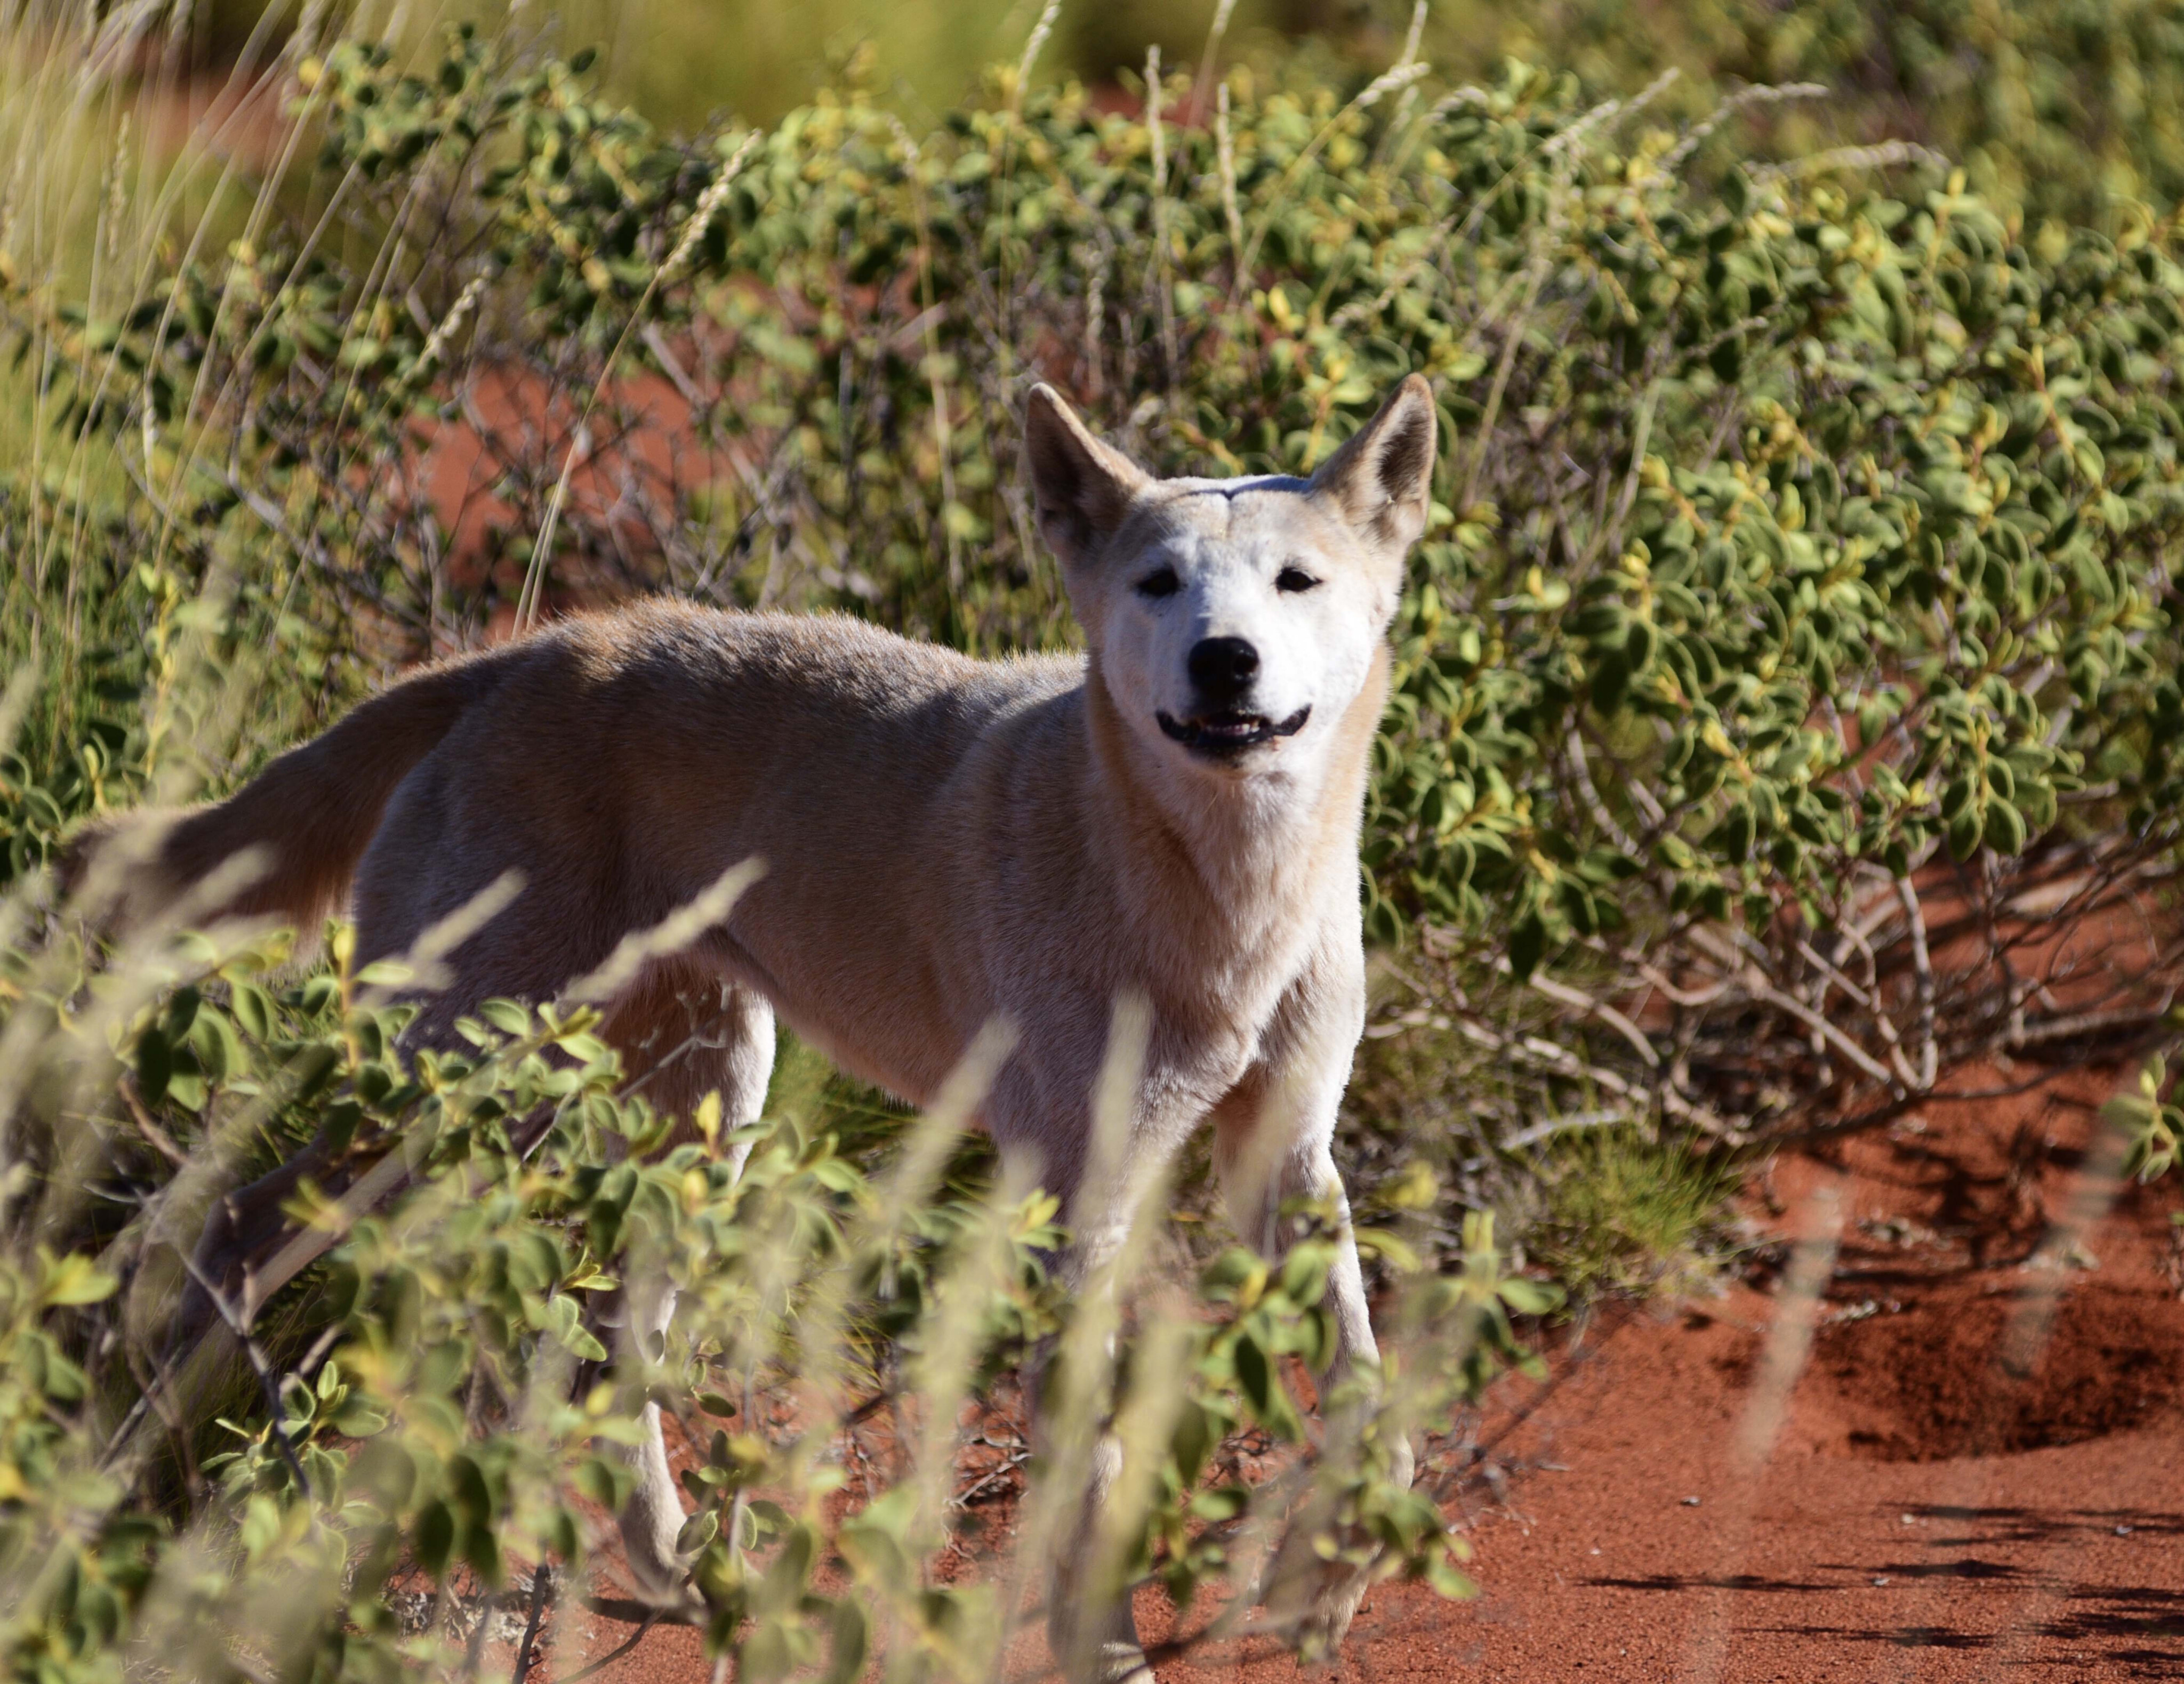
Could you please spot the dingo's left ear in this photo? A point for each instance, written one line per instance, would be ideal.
(1382, 479)
(1084, 488)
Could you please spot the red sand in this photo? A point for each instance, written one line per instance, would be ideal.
(1976, 1476)
(1950, 1495)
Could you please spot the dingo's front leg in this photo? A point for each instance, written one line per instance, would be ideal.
(1089, 1624)
(1316, 1598)
(1273, 1143)
(1273, 1136)
(1089, 1620)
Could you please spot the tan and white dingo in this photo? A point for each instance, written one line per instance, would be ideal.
(1174, 816)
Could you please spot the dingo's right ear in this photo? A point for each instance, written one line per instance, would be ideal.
(1084, 488)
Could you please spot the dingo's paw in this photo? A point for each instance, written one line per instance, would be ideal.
(1095, 1645)
(1335, 1600)
(1123, 1663)
(1402, 1465)
(1319, 1580)
(1313, 1600)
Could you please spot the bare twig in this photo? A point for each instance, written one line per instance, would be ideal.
(541, 1592)
(268, 1381)
(1906, 897)
(1742, 99)
(1224, 148)
(1034, 44)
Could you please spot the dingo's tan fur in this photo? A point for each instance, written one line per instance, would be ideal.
(1174, 815)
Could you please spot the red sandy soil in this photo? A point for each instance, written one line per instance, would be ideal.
(1973, 1474)
(1950, 1494)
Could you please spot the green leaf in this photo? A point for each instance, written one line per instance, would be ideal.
(1448, 1580)
(1527, 946)
(2005, 831)
(253, 1010)
(482, 1549)
(1220, 1503)
(849, 1642)
(1398, 1254)
(1528, 1296)
(74, 1278)
(213, 1039)
(1304, 1273)
(507, 1016)
(698, 1531)
(433, 1538)
(155, 1063)
(1254, 1374)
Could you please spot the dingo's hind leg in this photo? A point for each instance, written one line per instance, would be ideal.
(682, 1036)
(1094, 1640)
(684, 1033)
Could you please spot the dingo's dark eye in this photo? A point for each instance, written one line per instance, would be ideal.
(1294, 579)
(1160, 582)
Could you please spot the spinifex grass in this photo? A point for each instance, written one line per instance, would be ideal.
(1626, 1214)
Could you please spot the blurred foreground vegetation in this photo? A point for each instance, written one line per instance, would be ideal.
(1785, 729)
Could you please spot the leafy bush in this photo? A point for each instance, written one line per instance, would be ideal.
(2058, 109)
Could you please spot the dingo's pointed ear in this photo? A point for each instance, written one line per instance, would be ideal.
(1084, 488)
(1382, 479)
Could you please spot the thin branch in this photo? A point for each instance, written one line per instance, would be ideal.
(541, 1592)
(1567, 996)
(1757, 985)
(1922, 966)
(160, 1139)
(267, 1382)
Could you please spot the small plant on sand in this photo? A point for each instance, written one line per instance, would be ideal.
(2152, 1119)
(1624, 1213)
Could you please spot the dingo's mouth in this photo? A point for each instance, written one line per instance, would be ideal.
(1228, 733)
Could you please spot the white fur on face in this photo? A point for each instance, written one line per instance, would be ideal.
(1239, 553)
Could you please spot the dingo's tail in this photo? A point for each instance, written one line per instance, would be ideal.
(303, 822)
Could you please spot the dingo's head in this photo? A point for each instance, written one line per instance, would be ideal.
(1233, 622)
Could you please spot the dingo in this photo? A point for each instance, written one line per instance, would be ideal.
(1174, 815)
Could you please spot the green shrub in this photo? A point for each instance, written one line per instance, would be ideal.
(2058, 109)
(2061, 108)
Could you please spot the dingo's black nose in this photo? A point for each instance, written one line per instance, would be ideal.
(1223, 668)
